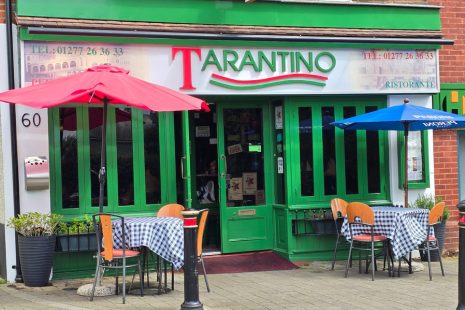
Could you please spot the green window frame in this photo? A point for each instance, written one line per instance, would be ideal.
(140, 206)
(425, 182)
(320, 199)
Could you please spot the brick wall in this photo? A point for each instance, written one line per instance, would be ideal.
(446, 180)
(2, 11)
(452, 58)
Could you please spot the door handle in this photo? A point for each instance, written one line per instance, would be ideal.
(182, 167)
(225, 166)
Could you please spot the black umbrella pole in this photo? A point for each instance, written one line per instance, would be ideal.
(461, 207)
(191, 274)
(102, 175)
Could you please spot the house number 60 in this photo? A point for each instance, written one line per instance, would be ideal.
(35, 120)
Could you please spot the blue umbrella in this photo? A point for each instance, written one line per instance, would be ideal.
(406, 117)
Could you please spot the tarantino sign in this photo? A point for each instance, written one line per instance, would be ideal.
(236, 70)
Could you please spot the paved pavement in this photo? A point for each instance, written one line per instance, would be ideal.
(310, 287)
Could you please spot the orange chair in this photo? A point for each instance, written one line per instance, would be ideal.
(361, 214)
(113, 256)
(203, 219)
(171, 210)
(431, 244)
(339, 210)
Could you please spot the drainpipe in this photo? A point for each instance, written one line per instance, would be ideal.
(14, 147)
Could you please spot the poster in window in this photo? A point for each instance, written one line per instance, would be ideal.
(278, 116)
(202, 131)
(260, 198)
(250, 183)
(414, 157)
(235, 189)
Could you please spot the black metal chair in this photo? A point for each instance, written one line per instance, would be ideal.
(361, 214)
(431, 244)
(109, 257)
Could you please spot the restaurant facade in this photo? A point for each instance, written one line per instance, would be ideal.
(265, 157)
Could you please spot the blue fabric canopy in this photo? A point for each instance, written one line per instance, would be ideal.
(405, 117)
(395, 118)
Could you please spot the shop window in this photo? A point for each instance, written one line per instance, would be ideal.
(417, 159)
(50, 67)
(334, 163)
(152, 157)
(133, 162)
(57, 66)
(306, 152)
(69, 158)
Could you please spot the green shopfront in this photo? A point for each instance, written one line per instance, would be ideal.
(264, 156)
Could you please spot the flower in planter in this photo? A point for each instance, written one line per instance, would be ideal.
(35, 224)
(428, 202)
(77, 226)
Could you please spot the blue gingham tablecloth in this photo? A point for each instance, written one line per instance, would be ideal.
(405, 227)
(163, 235)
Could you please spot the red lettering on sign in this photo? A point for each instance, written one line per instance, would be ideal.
(186, 63)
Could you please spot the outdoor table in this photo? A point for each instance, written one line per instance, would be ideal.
(162, 235)
(405, 228)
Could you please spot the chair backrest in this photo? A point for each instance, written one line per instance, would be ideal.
(435, 215)
(338, 205)
(171, 210)
(104, 227)
(203, 220)
(362, 211)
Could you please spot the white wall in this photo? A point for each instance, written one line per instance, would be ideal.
(32, 141)
(397, 195)
(6, 200)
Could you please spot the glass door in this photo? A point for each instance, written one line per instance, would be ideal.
(245, 159)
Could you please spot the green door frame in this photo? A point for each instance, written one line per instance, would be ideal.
(251, 232)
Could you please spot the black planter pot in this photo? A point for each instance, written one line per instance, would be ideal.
(440, 234)
(36, 256)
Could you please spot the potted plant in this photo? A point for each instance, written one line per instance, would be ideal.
(77, 236)
(36, 244)
(428, 202)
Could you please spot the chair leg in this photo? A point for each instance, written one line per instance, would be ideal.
(398, 270)
(386, 246)
(440, 261)
(117, 278)
(366, 261)
(124, 280)
(360, 260)
(373, 261)
(410, 271)
(166, 273)
(140, 277)
(348, 259)
(172, 277)
(204, 273)
(429, 262)
(159, 274)
(95, 279)
(335, 251)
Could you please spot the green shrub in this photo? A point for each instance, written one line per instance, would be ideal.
(35, 224)
(428, 202)
(77, 225)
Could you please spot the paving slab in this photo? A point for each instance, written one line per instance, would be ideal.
(310, 287)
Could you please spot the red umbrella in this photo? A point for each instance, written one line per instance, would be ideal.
(103, 84)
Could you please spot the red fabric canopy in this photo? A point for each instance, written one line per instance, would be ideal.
(113, 82)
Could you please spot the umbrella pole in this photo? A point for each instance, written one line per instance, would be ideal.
(102, 175)
(406, 165)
